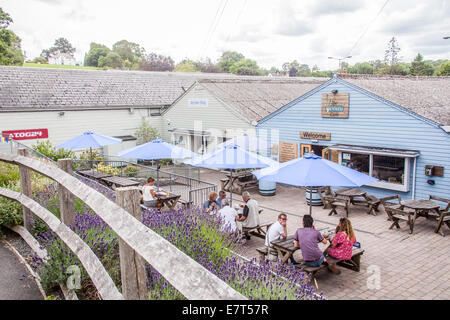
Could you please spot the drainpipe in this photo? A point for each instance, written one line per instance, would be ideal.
(414, 179)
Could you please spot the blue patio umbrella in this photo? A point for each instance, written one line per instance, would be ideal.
(312, 170)
(89, 140)
(249, 143)
(155, 150)
(231, 157)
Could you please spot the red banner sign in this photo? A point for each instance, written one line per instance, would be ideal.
(26, 134)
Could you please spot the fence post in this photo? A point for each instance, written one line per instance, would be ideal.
(25, 187)
(132, 265)
(66, 199)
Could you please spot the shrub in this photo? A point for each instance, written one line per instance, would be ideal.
(10, 210)
(109, 169)
(46, 148)
(8, 174)
(131, 171)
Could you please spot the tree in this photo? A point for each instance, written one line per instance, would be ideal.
(207, 66)
(61, 45)
(361, 68)
(186, 66)
(129, 51)
(444, 69)
(420, 68)
(112, 60)
(95, 52)
(391, 55)
(10, 43)
(303, 71)
(291, 68)
(229, 58)
(146, 133)
(155, 62)
(246, 67)
(39, 60)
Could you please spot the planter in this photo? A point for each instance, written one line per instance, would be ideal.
(267, 188)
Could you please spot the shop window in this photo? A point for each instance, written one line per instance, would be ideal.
(389, 169)
(357, 161)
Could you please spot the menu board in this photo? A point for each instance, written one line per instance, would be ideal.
(288, 151)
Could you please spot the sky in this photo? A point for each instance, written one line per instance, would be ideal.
(270, 32)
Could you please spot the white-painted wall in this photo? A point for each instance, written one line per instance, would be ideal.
(73, 123)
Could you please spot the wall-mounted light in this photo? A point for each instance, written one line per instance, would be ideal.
(315, 141)
(61, 113)
(168, 122)
(131, 110)
(334, 91)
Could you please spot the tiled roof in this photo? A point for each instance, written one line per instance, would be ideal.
(426, 96)
(256, 99)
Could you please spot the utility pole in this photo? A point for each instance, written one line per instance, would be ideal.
(340, 59)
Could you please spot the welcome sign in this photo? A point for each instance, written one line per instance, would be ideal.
(335, 105)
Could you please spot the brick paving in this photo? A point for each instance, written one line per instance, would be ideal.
(410, 266)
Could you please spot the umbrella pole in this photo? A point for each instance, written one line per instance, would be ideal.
(92, 160)
(310, 201)
(157, 175)
(231, 189)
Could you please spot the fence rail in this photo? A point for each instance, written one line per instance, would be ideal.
(186, 275)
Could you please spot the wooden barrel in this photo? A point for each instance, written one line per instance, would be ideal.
(267, 188)
(314, 194)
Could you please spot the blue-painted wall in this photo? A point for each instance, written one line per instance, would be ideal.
(372, 122)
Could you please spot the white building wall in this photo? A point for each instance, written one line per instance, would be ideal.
(216, 117)
(73, 123)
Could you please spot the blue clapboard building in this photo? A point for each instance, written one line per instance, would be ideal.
(394, 128)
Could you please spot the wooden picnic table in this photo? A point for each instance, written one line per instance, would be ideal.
(421, 208)
(94, 174)
(170, 200)
(118, 182)
(351, 193)
(361, 198)
(239, 181)
(285, 246)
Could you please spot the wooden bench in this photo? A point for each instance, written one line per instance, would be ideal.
(444, 214)
(186, 203)
(257, 230)
(395, 215)
(263, 251)
(333, 201)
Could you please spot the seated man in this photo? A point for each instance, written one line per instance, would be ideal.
(275, 231)
(222, 196)
(228, 214)
(250, 214)
(307, 239)
(149, 196)
(211, 205)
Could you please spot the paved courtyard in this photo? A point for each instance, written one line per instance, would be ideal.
(395, 264)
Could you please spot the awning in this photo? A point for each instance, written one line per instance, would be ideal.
(376, 151)
(191, 132)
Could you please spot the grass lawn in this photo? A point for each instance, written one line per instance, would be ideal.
(38, 65)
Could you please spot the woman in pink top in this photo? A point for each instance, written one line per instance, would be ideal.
(342, 243)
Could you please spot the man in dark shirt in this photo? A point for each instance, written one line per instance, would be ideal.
(307, 239)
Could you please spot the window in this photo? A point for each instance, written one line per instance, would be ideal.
(391, 171)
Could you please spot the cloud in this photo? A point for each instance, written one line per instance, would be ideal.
(324, 7)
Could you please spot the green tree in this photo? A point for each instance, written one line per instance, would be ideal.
(186, 66)
(111, 61)
(304, 71)
(246, 67)
(10, 43)
(39, 60)
(130, 52)
(207, 66)
(420, 68)
(391, 58)
(146, 133)
(96, 51)
(61, 45)
(291, 68)
(361, 68)
(229, 58)
(444, 69)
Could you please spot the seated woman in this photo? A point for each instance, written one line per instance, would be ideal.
(149, 195)
(211, 204)
(341, 244)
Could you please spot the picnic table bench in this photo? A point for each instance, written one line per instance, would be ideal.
(119, 182)
(257, 231)
(93, 174)
(240, 181)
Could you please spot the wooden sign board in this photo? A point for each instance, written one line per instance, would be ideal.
(335, 105)
(315, 135)
(288, 151)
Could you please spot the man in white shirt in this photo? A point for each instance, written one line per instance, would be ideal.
(250, 214)
(228, 215)
(276, 230)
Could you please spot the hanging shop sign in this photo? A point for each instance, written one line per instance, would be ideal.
(335, 105)
(315, 135)
(26, 134)
(198, 102)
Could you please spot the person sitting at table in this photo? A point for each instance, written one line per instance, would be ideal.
(250, 213)
(275, 232)
(211, 205)
(149, 195)
(307, 239)
(222, 196)
(228, 215)
(341, 246)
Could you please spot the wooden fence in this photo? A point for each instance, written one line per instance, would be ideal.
(137, 243)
